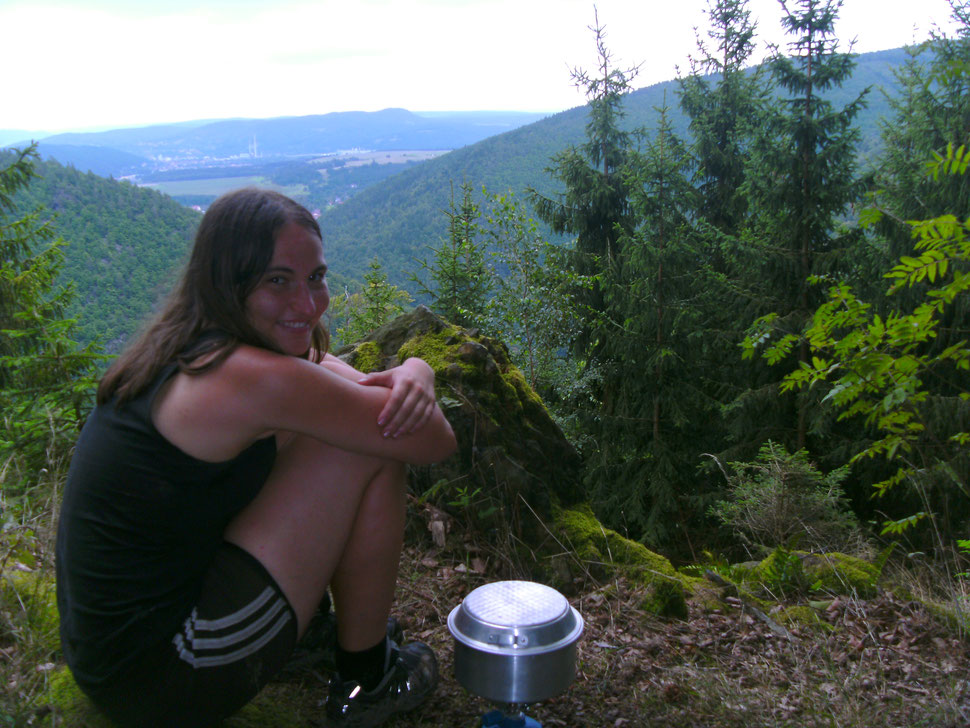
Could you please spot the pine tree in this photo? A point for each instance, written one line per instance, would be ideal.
(652, 411)
(595, 204)
(931, 114)
(721, 98)
(802, 181)
(46, 382)
(355, 315)
(459, 283)
(725, 103)
(532, 309)
(913, 398)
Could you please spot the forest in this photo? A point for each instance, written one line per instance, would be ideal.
(753, 332)
(744, 306)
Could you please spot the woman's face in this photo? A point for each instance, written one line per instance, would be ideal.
(292, 293)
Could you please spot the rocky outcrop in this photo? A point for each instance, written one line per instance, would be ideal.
(515, 478)
(513, 461)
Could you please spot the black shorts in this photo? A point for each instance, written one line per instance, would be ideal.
(239, 634)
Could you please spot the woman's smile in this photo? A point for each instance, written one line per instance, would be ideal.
(292, 294)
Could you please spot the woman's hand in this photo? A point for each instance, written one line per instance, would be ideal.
(412, 401)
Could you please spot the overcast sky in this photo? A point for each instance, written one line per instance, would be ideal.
(74, 64)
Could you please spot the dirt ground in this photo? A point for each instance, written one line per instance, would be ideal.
(879, 662)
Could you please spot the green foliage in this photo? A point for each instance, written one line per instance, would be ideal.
(124, 247)
(595, 204)
(649, 426)
(782, 497)
(782, 575)
(722, 99)
(29, 641)
(459, 283)
(930, 115)
(802, 180)
(534, 308)
(885, 370)
(964, 546)
(354, 315)
(46, 381)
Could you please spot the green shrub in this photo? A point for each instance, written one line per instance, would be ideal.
(781, 498)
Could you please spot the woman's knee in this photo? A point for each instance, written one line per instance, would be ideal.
(315, 460)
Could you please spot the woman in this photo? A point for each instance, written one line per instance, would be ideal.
(230, 472)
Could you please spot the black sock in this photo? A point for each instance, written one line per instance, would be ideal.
(366, 667)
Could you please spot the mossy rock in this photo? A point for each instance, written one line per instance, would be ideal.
(604, 551)
(67, 707)
(367, 357)
(513, 460)
(710, 596)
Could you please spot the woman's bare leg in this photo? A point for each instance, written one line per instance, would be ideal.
(328, 516)
(364, 581)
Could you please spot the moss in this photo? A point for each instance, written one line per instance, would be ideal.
(367, 357)
(841, 574)
(274, 707)
(499, 392)
(711, 597)
(803, 616)
(605, 551)
(452, 354)
(526, 395)
(33, 597)
(704, 594)
(69, 706)
(439, 350)
(832, 573)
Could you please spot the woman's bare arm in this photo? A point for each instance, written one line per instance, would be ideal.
(256, 392)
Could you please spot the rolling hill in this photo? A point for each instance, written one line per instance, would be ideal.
(126, 242)
(398, 218)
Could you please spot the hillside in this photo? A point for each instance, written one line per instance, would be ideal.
(321, 160)
(125, 245)
(125, 242)
(253, 141)
(397, 219)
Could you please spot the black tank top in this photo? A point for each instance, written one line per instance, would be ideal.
(140, 522)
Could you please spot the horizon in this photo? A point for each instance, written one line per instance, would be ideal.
(201, 122)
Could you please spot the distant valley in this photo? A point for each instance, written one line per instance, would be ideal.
(322, 159)
(379, 181)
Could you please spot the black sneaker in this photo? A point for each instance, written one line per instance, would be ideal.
(411, 679)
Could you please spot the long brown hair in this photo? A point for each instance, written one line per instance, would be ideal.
(206, 313)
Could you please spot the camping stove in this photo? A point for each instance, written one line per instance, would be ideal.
(515, 644)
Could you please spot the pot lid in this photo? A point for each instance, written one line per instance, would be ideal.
(516, 616)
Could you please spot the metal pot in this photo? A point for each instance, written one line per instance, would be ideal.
(515, 642)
